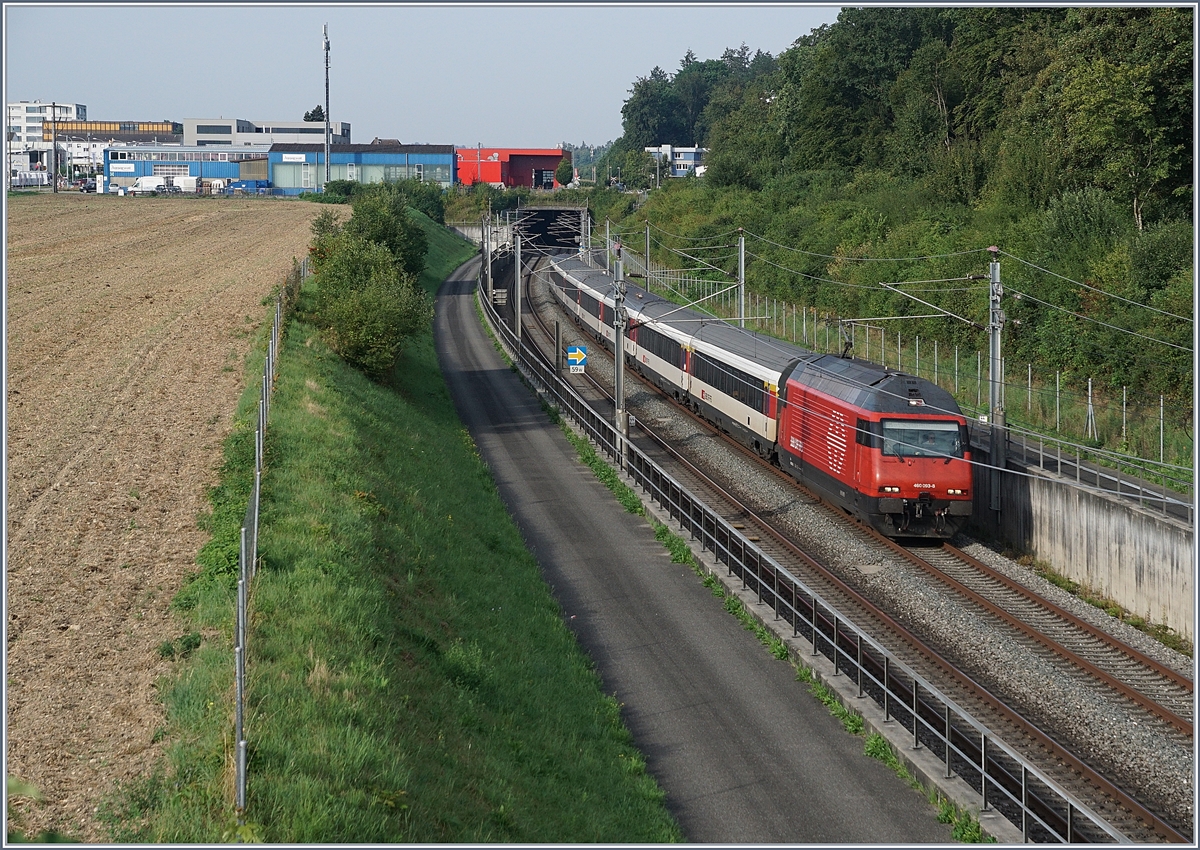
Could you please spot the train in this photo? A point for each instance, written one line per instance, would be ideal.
(887, 447)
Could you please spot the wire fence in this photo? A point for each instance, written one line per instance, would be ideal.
(248, 557)
(1031, 410)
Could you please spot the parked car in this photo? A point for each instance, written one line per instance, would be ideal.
(88, 186)
(170, 189)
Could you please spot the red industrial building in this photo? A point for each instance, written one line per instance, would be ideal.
(510, 166)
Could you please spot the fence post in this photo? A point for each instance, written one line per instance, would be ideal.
(949, 770)
(916, 714)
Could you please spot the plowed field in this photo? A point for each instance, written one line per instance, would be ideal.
(128, 321)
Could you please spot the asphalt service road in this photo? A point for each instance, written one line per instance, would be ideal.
(744, 753)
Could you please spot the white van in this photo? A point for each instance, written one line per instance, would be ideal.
(145, 185)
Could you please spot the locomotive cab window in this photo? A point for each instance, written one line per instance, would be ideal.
(921, 438)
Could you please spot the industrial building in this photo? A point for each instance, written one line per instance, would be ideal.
(296, 168)
(26, 151)
(283, 169)
(123, 165)
(239, 132)
(84, 142)
(508, 167)
(130, 132)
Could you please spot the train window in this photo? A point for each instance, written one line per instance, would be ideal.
(661, 346)
(865, 434)
(590, 304)
(731, 382)
(919, 438)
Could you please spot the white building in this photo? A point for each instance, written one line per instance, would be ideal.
(24, 149)
(682, 161)
(238, 131)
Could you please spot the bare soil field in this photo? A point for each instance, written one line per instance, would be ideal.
(128, 321)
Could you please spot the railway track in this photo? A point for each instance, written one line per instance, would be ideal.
(1161, 695)
(1158, 689)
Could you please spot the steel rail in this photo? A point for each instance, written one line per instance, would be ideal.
(1163, 713)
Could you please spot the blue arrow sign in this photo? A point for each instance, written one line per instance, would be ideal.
(576, 357)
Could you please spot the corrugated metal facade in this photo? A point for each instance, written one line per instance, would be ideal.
(508, 166)
(301, 168)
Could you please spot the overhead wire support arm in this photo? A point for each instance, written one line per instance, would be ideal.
(941, 311)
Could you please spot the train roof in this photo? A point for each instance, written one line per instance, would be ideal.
(768, 353)
(861, 383)
(872, 387)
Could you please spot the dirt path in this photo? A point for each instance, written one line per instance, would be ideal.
(128, 320)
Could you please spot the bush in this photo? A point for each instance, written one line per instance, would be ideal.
(368, 306)
(369, 325)
(382, 216)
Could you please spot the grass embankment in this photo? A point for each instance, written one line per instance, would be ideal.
(410, 676)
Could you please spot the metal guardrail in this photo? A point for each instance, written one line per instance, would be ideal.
(248, 555)
(1035, 803)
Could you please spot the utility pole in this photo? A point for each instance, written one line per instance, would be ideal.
(54, 147)
(619, 322)
(607, 245)
(996, 422)
(741, 279)
(486, 259)
(647, 253)
(516, 231)
(491, 299)
(325, 43)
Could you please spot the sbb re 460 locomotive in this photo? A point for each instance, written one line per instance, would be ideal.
(890, 448)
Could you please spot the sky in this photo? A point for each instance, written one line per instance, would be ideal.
(500, 75)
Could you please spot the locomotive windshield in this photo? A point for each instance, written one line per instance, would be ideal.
(921, 438)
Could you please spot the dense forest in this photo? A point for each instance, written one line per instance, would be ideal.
(897, 145)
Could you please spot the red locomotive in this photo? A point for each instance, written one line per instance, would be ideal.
(888, 447)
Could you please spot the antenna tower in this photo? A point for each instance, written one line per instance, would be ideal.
(325, 42)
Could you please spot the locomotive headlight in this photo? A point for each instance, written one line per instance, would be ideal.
(957, 492)
(890, 489)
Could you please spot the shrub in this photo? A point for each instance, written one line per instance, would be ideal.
(382, 216)
(369, 325)
(367, 306)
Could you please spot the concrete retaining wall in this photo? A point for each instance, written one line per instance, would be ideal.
(1140, 559)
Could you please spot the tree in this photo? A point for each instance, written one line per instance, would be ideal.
(652, 115)
(317, 113)
(368, 307)
(565, 172)
(1111, 130)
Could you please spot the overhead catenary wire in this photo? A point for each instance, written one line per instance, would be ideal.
(806, 275)
(866, 259)
(654, 226)
(1098, 322)
(1095, 289)
(896, 285)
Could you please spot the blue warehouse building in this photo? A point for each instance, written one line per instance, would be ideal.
(123, 165)
(296, 168)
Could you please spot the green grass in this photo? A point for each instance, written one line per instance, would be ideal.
(965, 826)
(410, 676)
